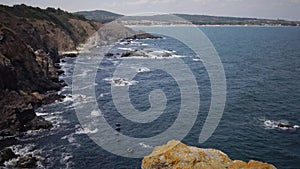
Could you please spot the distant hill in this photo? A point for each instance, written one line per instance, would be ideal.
(217, 20)
(105, 16)
(99, 15)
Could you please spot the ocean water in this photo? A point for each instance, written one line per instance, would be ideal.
(262, 67)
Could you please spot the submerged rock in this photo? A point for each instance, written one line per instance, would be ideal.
(109, 54)
(176, 155)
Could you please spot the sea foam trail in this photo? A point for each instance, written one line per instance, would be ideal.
(281, 124)
(120, 82)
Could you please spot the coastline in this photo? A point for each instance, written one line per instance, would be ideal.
(29, 67)
(193, 25)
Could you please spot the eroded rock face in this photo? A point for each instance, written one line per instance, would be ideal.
(176, 155)
(30, 41)
(17, 112)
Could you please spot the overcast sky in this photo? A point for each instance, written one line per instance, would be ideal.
(283, 9)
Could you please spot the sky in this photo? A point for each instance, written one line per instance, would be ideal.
(271, 9)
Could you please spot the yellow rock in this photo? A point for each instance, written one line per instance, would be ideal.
(37, 95)
(176, 155)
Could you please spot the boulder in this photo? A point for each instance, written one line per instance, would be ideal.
(109, 54)
(17, 112)
(37, 123)
(176, 155)
(6, 155)
(27, 161)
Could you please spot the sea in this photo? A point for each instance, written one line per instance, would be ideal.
(261, 67)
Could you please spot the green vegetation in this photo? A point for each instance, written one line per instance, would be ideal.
(214, 20)
(104, 16)
(58, 17)
(38, 13)
(100, 15)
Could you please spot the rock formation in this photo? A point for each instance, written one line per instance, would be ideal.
(6, 154)
(176, 155)
(30, 42)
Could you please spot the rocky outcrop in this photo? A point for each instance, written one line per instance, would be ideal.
(30, 42)
(18, 114)
(26, 161)
(176, 155)
(148, 54)
(6, 155)
(143, 35)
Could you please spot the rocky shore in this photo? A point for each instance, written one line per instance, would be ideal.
(176, 155)
(30, 42)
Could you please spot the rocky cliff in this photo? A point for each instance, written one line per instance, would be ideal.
(176, 155)
(30, 40)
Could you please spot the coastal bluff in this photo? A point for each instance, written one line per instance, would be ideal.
(30, 42)
(176, 155)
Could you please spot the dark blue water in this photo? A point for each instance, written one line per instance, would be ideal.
(262, 66)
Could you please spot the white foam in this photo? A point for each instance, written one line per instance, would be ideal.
(84, 73)
(156, 54)
(33, 132)
(270, 124)
(103, 94)
(66, 160)
(23, 150)
(41, 114)
(145, 146)
(95, 113)
(127, 49)
(19, 149)
(120, 82)
(11, 163)
(56, 120)
(87, 86)
(69, 137)
(197, 60)
(62, 64)
(115, 63)
(79, 97)
(40, 165)
(86, 131)
(124, 43)
(142, 69)
(81, 100)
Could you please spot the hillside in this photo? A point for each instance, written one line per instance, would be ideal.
(104, 16)
(30, 40)
(100, 15)
(217, 20)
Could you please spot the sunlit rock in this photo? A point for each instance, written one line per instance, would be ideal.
(176, 155)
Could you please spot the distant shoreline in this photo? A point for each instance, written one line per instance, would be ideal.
(186, 25)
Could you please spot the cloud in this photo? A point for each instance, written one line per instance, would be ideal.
(294, 1)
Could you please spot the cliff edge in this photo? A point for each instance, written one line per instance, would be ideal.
(176, 155)
(30, 41)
